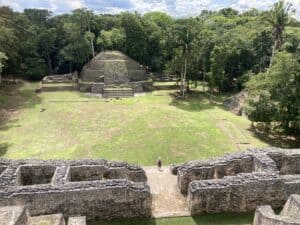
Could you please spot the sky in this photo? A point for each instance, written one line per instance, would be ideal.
(175, 8)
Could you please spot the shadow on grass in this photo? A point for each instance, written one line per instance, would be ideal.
(198, 100)
(224, 219)
(277, 140)
(14, 97)
(3, 148)
(141, 221)
(209, 219)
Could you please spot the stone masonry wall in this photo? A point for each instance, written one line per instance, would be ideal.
(265, 215)
(240, 182)
(92, 188)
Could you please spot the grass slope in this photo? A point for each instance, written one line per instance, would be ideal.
(65, 125)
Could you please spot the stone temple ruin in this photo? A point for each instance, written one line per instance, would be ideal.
(91, 188)
(110, 73)
(114, 74)
(240, 182)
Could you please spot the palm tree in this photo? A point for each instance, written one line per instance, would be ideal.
(279, 16)
(185, 40)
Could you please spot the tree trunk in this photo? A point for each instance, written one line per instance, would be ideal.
(181, 80)
(91, 41)
(184, 76)
(49, 64)
(70, 67)
(272, 56)
(92, 47)
(211, 94)
(273, 53)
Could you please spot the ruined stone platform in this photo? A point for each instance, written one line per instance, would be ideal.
(92, 188)
(242, 181)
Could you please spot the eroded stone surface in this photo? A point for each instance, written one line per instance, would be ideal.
(265, 215)
(79, 220)
(240, 182)
(93, 188)
(13, 215)
(56, 219)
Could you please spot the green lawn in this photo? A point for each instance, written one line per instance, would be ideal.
(66, 125)
(217, 219)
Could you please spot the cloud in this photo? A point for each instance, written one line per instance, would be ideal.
(176, 8)
(61, 6)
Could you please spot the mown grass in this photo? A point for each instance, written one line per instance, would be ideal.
(212, 219)
(68, 125)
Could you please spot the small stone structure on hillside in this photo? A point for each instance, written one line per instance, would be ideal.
(97, 189)
(240, 182)
(60, 82)
(114, 74)
(290, 215)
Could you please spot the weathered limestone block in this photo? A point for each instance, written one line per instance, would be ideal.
(13, 215)
(287, 162)
(56, 219)
(265, 215)
(263, 163)
(97, 88)
(292, 207)
(79, 220)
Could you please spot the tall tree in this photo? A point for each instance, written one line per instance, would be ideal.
(135, 44)
(83, 18)
(185, 37)
(274, 95)
(279, 17)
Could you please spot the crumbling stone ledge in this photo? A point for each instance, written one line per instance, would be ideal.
(290, 215)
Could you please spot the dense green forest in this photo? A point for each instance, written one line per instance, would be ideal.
(256, 50)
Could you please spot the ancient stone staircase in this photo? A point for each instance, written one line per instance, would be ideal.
(117, 92)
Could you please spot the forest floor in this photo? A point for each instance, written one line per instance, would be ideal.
(70, 125)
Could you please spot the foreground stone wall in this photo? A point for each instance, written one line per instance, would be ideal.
(290, 215)
(240, 182)
(92, 188)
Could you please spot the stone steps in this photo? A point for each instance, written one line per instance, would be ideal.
(118, 92)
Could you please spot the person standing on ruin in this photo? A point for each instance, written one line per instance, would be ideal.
(159, 163)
